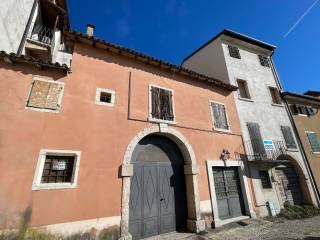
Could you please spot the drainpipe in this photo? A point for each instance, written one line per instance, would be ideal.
(303, 153)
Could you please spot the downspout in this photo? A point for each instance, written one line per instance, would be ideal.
(26, 30)
(304, 156)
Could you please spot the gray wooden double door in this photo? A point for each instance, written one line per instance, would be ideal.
(228, 192)
(157, 194)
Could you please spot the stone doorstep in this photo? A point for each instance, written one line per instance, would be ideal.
(172, 235)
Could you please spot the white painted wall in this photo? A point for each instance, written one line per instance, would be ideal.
(260, 110)
(14, 15)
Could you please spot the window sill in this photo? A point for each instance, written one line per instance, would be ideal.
(277, 105)
(105, 104)
(316, 153)
(221, 130)
(42, 110)
(52, 186)
(245, 99)
(155, 120)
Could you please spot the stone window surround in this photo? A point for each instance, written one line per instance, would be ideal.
(113, 97)
(37, 185)
(45, 79)
(191, 170)
(244, 187)
(212, 117)
(150, 118)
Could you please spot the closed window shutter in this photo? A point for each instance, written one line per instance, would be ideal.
(288, 137)
(38, 94)
(161, 101)
(53, 96)
(315, 145)
(220, 116)
(45, 95)
(256, 139)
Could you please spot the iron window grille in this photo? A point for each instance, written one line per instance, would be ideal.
(161, 104)
(234, 52)
(58, 169)
(265, 179)
(105, 97)
(264, 61)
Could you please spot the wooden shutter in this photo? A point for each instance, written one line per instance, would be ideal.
(220, 116)
(315, 145)
(161, 101)
(288, 137)
(44, 95)
(256, 139)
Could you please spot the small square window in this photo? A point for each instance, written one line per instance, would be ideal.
(105, 97)
(45, 95)
(276, 99)
(243, 89)
(234, 52)
(264, 61)
(56, 169)
(265, 179)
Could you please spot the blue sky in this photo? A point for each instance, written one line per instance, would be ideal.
(171, 29)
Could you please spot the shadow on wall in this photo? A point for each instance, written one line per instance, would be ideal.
(109, 57)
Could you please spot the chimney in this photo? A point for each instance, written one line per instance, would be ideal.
(90, 29)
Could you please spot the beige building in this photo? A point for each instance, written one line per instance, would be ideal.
(304, 109)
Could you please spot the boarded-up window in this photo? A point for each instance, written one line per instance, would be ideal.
(161, 104)
(243, 89)
(256, 139)
(234, 52)
(288, 137)
(264, 61)
(58, 169)
(220, 120)
(275, 95)
(314, 142)
(45, 94)
(265, 179)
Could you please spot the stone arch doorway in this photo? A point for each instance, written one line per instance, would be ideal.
(158, 195)
(193, 222)
(293, 182)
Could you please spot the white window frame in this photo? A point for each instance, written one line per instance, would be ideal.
(50, 80)
(309, 141)
(270, 96)
(152, 119)
(113, 97)
(246, 193)
(212, 117)
(37, 185)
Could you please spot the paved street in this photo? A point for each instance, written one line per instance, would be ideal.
(307, 229)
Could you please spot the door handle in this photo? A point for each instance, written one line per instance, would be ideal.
(161, 199)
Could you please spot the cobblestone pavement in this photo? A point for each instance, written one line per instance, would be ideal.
(306, 229)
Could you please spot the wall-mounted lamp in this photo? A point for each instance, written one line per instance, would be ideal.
(225, 155)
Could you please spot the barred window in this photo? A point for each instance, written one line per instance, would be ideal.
(264, 61)
(220, 120)
(161, 104)
(265, 179)
(58, 169)
(105, 97)
(45, 95)
(234, 52)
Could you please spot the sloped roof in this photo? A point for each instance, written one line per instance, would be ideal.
(141, 57)
(14, 58)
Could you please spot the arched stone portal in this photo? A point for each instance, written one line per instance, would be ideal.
(194, 223)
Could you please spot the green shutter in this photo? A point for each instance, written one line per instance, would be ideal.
(315, 145)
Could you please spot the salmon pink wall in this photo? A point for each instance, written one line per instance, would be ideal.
(101, 133)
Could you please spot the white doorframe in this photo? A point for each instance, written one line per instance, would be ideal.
(244, 188)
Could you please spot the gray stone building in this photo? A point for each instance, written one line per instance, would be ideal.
(277, 167)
